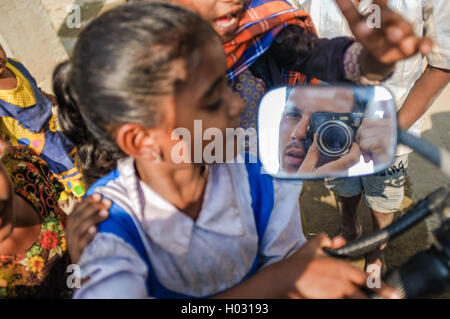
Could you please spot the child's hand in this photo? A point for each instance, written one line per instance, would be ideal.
(320, 277)
(51, 97)
(395, 40)
(82, 223)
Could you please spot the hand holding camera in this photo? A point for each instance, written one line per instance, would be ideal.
(335, 141)
(374, 137)
(315, 163)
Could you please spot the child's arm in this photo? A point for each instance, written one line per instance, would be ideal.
(437, 74)
(394, 40)
(308, 273)
(6, 203)
(430, 85)
(111, 269)
(333, 60)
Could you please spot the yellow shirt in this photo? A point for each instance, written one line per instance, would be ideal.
(10, 130)
(21, 96)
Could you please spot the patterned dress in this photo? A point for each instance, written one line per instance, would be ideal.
(40, 272)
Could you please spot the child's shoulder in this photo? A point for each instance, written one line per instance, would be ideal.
(103, 181)
(119, 223)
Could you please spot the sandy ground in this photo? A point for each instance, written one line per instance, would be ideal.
(319, 206)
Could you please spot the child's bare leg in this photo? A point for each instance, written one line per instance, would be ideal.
(379, 221)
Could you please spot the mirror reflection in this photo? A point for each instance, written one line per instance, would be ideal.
(329, 131)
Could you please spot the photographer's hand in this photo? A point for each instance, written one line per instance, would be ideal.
(374, 138)
(309, 165)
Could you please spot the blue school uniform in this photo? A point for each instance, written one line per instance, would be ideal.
(226, 245)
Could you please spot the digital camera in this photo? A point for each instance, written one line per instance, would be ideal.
(336, 132)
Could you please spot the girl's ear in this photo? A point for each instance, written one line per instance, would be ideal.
(138, 141)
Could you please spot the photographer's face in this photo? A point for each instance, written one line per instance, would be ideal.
(293, 127)
(302, 103)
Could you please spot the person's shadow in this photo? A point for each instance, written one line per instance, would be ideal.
(88, 11)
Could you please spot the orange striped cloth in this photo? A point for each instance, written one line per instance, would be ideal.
(259, 24)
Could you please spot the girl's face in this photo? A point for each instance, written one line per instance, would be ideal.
(223, 15)
(206, 100)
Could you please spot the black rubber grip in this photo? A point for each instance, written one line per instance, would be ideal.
(421, 146)
(415, 214)
(424, 275)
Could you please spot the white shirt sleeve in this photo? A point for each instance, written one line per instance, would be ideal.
(110, 268)
(437, 26)
(284, 234)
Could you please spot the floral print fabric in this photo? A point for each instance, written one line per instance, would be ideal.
(40, 271)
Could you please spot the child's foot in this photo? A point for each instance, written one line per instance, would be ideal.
(351, 230)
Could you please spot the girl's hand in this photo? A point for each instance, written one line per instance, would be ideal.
(395, 40)
(82, 223)
(314, 275)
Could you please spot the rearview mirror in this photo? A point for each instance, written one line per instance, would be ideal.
(313, 132)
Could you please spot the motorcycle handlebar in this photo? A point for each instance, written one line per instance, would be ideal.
(416, 214)
(424, 274)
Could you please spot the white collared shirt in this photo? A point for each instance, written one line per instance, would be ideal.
(428, 17)
(196, 258)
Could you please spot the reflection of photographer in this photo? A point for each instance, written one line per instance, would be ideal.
(335, 132)
(314, 161)
(300, 107)
(341, 120)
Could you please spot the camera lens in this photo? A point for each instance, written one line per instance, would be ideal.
(335, 138)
